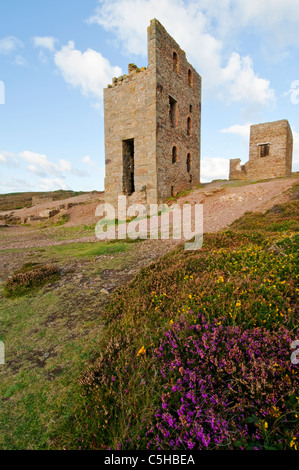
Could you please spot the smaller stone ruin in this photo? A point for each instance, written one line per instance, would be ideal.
(270, 153)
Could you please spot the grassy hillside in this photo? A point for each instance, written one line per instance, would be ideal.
(196, 353)
(51, 326)
(13, 201)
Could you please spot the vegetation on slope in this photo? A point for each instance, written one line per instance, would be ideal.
(51, 331)
(196, 353)
(13, 201)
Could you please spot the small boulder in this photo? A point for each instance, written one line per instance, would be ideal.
(46, 214)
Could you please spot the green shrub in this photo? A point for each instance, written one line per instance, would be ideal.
(63, 220)
(30, 277)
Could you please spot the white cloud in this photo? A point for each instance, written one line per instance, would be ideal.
(242, 130)
(52, 175)
(229, 77)
(244, 83)
(10, 44)
(89, 71)
(42, 166)
(39, 163)
(269, 18)
(52, 184)
(295, 151)
(19, 60)
(293, 92)
(214, 168)
(14, 185)
(66, 166)
(88, 161)
(42, 56)
(9, 159)
(45, 42)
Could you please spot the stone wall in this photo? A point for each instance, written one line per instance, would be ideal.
(178, 136)
(137, 121)
(236, 170)
(270, 152)
(130, 113)
(36, 200)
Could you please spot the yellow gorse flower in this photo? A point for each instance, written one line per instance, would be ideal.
(293, 443)
(275, 412)
(141, 351)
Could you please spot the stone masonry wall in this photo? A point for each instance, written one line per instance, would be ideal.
(236, 170)
(137, 106)
(130, 113)
(270, 152)
(182, 83)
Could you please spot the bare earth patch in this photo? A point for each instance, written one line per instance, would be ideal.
(222, 205)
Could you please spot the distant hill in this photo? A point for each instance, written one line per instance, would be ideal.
(15, 201)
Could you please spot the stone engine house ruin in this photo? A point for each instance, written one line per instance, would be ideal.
(152, 125)
(270, 153)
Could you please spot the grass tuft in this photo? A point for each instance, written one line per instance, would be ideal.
(30, 277)
(63, 220)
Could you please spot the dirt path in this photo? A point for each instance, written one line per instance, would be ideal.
(222, 205)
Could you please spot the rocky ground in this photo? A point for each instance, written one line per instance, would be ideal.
(223, 202)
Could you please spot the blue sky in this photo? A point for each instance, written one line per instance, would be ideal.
(57, 56)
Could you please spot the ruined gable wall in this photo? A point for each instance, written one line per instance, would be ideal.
(279, 161)
(236, 170)
(136, 106)
(130, 113)
(176, 84)
(289, 151)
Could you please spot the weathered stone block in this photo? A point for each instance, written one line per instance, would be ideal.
(46, 214)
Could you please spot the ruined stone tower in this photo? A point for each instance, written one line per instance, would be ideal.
(270, 152)
(152, 125)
